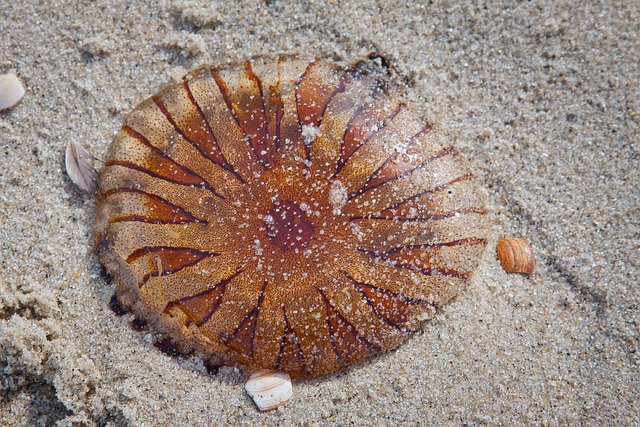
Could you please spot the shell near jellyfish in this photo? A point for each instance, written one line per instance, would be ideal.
(285, 214)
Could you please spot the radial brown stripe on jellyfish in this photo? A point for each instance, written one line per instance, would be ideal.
(286, 214)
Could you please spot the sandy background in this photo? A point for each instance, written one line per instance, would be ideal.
(542, 96)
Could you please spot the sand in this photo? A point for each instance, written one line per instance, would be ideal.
(544, 99)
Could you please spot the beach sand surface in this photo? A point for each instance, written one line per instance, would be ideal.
(543, 97)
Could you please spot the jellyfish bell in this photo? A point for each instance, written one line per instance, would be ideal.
(285, 214)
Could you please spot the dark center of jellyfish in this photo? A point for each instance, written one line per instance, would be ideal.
(288, 226)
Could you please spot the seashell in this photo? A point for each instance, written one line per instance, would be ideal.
(286, 214)
(269, 389)
(516, 255)
(11, 91)
(79, 168)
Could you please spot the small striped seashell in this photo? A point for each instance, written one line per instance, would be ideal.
(79, 168)
(269, 389)
(516, 255)
(11, 91)
(286, 214)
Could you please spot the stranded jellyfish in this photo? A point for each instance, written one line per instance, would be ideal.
(285, 214)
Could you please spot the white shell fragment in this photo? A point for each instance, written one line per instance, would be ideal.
(11, 91)
(79, 167)
(269, 389)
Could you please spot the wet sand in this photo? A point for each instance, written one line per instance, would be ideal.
(542, 97)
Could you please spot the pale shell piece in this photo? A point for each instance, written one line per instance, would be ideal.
(269, 389)
(11, 91)
(79, 168)
(516, 255)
